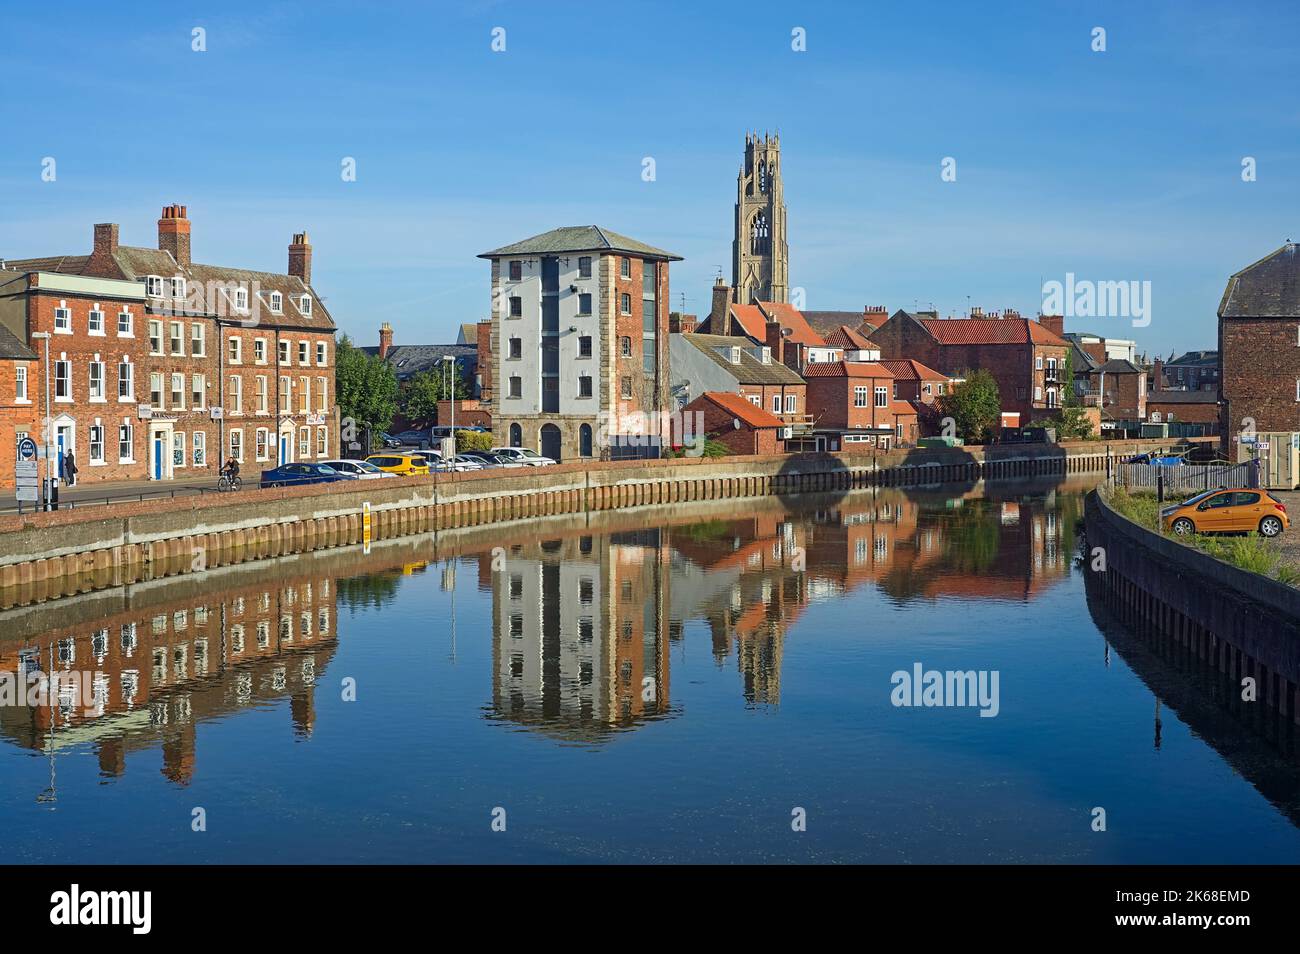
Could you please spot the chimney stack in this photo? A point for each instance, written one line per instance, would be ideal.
(300, 258)
(1053, 323)
(1158, 375)
(174, 234)
(681, 324)
(105, 239)
(976, 311)
(385, 340)
(720, 313)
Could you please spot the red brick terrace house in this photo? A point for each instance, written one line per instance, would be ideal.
(1259, 347)
(734, 421)
(856, 403)
(1026, 358)
(18, 413)
(228, 361)
(921, 387)
(775, 325)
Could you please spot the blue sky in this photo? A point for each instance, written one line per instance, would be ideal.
(1122, 165)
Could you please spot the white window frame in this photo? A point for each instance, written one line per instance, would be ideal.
(178, 287)
(129, 322)
(882, 396)
(153, 286)
(199, 391)
(63, 362)
(95, 313)
(128, 429)
(129, 380)
(199, 449)
(20, 385)
(100, 460)
(305, 305)
(198, 340)
(277, 303)
(63, 319)
(178, 378)
(176, 339)
(93, 393)
(322, 354)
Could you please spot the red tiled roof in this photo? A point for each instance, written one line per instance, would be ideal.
(846, 337)
(751, 414)
(751, 319)
(846, 369)
(960, 331)
(790, 317)
(911, 369)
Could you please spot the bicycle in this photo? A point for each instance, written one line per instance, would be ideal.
(226, 482)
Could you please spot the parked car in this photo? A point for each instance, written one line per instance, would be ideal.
(420, 437)
(402, 465)
(360, 469)
(1233, 510)
(388, 440)
(490, 460)
(287, 475)
(529, 458)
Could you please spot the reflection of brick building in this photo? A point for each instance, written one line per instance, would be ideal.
(581, 634)
(157, 675)
(18, 414)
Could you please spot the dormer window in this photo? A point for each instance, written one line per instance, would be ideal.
(178, 287)
(305, 305)
(241, 299)
(735, 354)
(277, 303)
(153, 286)
(767, 355)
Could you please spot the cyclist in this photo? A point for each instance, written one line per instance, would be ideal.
(231, 470)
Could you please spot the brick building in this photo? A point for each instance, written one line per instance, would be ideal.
(1121, 387)
(1185, 407)
(1026, 358)
(97, 351)
(857, 403)
(703, 363)
(579, 342)
(191, 363)
(18, 415)
(743, 426)
(1259, 347)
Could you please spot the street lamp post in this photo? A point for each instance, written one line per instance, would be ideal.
(49, 492)
(449, 368)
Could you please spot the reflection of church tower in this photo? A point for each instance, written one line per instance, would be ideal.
(760, 259)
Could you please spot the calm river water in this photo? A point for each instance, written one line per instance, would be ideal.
(685, 684)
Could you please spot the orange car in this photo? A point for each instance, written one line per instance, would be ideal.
(1227, 511)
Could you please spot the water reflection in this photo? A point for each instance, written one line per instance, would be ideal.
(519, 651)
(581, 637)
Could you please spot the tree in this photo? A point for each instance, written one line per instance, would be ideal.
(974, 406)
(420, 396)
(365, 389)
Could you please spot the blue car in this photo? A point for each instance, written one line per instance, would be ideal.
(291, 475)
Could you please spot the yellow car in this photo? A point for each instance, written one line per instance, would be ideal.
(404, 465)
(1238, 510)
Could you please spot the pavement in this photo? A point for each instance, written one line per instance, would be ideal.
(101, 492)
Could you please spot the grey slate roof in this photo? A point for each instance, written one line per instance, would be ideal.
(410, 360)
(136, 263)
(750, 370)
(1081, 361)
(581, 238)
(1118, 366)
(1270, 288)
(1195, 359)
(12, 349)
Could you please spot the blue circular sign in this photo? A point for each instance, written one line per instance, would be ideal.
(26, 449)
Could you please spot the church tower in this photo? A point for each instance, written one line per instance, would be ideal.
(760, 259)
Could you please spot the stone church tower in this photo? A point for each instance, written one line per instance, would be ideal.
(760, 259)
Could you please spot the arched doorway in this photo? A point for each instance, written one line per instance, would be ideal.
(550, 441)
(584, 441)
(516, 436)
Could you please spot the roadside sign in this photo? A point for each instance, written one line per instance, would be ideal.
(26, 487)
(27, 449)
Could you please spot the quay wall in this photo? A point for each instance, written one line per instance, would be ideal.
(81, 549)
(1213, 617)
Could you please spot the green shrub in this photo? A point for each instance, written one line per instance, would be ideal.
(472, 441)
